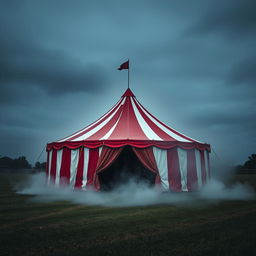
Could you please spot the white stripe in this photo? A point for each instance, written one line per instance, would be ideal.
(198, 168)
(73, 166)
(49, 167)
(161, 161)
(182, 154)
(89, 126)
(100, 149)
(108, 134)
(97, 128)
(170, 133)
(58, 165)
(86, 161)
(143, 124)
(206, 164)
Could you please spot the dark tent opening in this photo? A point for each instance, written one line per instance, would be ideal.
(127, 167)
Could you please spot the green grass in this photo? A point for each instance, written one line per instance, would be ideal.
(63, 228)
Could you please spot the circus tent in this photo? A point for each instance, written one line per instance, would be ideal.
(178, 162)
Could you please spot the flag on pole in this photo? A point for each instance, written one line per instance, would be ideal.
(125, 65)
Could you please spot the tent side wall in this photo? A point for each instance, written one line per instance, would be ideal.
(75, 168)
(178, 169)
(182, 170)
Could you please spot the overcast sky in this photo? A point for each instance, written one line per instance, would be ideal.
(192, 65)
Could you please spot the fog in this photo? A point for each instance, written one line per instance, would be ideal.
(134, 194)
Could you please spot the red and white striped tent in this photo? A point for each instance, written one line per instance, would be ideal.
(179, 162)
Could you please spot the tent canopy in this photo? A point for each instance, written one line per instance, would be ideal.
(83, 160)
(128, 123)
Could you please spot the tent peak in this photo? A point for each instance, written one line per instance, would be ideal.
(128, 93)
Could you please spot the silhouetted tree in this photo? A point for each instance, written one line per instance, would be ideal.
(251, 163)
(40, 166)
(37, 165)
(19, 163)
(5, 162)
(249, 167)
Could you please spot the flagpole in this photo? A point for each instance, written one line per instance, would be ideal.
(128, 74)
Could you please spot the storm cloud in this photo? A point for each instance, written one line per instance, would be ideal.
(54, 71)
(232, 19)
(192, 65)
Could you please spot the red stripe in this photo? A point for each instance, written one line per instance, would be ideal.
(96, 124)
(203, 166)
(92, 164)
(174, 177)
(135, 130)
(102, 132)
(80, 169)
(163, 135)
(128, 126)
(169, 128)
(65, 166)
(191, 170)
(53, 165)
(121, 130)
(47, 164)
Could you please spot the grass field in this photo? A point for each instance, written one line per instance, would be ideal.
(63, 228)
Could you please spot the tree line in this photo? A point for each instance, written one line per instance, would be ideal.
(19, 163)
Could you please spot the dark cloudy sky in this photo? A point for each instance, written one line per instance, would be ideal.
(192, 65)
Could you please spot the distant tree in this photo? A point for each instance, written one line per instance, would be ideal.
(251, 163)
(37, 165)
(21, 163)
(249, 167)
(5, 162)
(40, 166)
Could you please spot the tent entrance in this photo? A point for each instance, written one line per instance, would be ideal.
(126, 168)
